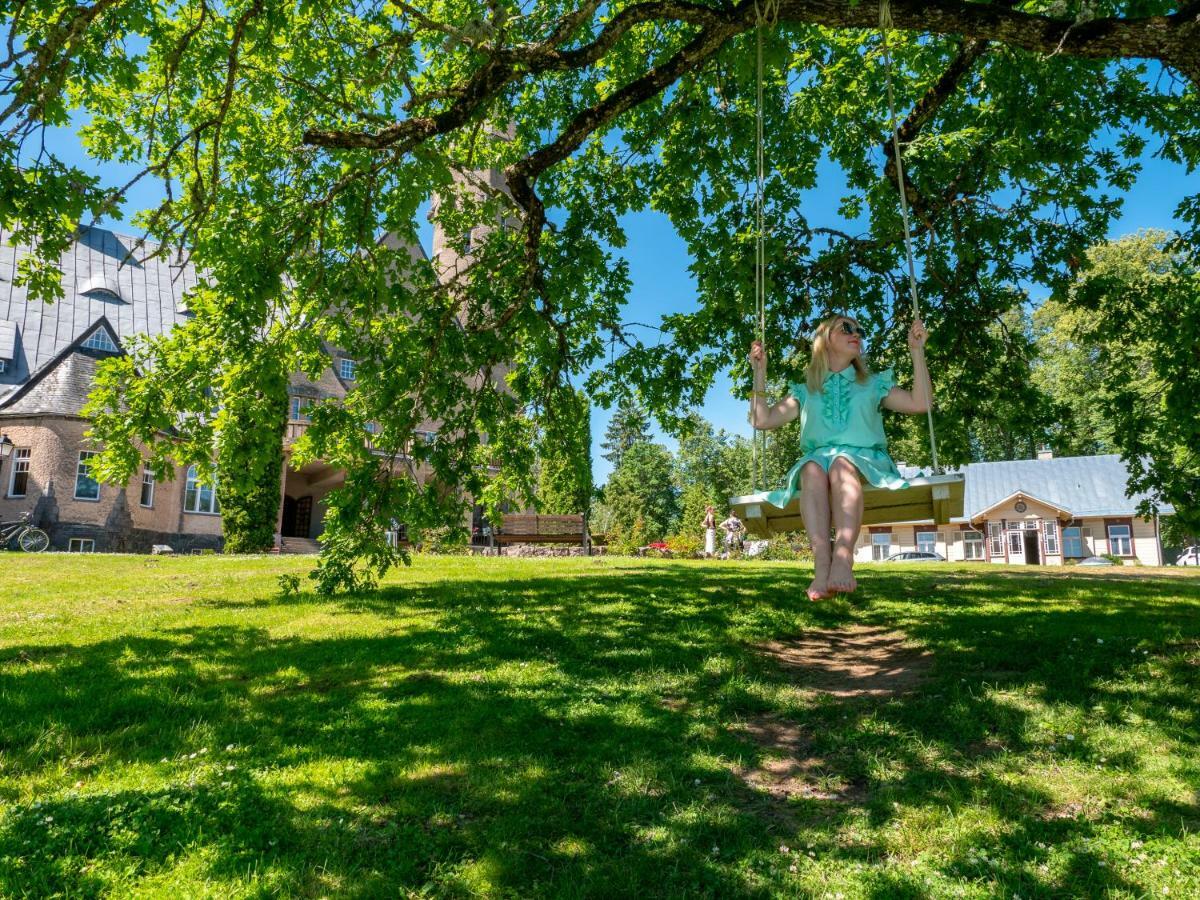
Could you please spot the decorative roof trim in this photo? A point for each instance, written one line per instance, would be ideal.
(1025, 495)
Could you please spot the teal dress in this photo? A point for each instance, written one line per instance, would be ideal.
(843, 420)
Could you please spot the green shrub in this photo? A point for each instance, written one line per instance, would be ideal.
(686, 545)
(446, 540)
(626, 542)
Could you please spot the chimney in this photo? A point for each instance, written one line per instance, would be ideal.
(1045, 452)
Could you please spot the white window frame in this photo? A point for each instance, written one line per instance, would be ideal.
(880, 541)
(1016, 542)
(996, 539)
(348, 369)
(3, 366)
(81, 545)
(933, 542)
(101, 341)
(1050, 535)
(18, 469)
(973, 539)
(1113, 546)
(193, 486)
(84, 470)
(147, 482)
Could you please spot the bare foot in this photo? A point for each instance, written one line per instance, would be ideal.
(841, 576)
(819, 589)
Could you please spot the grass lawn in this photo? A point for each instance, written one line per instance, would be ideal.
(603, 728)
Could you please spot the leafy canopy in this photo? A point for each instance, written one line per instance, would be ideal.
(297, 142)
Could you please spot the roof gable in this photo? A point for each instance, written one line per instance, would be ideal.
(62, 386)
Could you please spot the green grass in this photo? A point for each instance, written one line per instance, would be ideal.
(510, 728)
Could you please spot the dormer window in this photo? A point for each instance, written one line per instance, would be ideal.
(103, 287)
(99, 340)
(346, 368)
(8, 343)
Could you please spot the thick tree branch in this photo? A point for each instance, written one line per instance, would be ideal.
(923, 112)
(1174, 40)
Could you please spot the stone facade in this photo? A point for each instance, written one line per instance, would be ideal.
(48, 358)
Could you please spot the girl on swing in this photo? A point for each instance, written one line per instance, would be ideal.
(841, 437)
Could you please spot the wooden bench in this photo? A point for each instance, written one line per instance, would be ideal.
(526, 528)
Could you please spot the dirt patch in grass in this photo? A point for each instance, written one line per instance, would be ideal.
(857, 661)
(788, 769)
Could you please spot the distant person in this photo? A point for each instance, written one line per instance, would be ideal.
(710, 532)
(734, 530)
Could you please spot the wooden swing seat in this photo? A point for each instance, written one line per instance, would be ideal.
(937, 498)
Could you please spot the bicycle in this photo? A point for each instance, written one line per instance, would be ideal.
(29, 539)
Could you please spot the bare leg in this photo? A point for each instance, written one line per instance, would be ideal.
(814, 507)
(846, 507)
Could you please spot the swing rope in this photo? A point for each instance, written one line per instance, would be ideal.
(766, 14)
(885, 25)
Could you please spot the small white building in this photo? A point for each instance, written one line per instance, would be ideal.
(1044, 511)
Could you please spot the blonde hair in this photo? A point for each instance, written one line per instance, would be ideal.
(818, 366)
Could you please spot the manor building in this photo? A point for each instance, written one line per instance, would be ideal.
(48, 358)
(1045, 511)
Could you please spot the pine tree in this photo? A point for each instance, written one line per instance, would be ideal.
(629, 425)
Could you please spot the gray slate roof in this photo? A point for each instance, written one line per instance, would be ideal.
(1082, 485)
(148, 299)
(64, 389)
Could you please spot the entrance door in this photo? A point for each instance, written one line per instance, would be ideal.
(303, 517)
(1016, 546)
(287, 527)
(1032, 550)
(297, 517)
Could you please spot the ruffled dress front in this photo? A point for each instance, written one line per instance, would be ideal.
(843, 420)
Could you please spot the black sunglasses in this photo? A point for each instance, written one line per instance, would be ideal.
(847, 328)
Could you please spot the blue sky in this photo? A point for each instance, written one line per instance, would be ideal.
(658, 259)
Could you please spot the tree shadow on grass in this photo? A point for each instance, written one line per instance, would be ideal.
(543, 736)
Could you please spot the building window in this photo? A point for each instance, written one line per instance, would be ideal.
(81, 545)
(302, 409)
(18, 482)
(200, 498)
(1120, 540)
(431, 437)
(1050, 528)
(927, 542)
(972, 545)
(99, 340)
(372, 427)
(1072, 542)
(86, 487)
(3, 366)
(996, 539)
(881, 546)
(346, 368)
(147, 487)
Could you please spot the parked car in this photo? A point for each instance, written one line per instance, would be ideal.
(916, 556)
(1189, 557)
(1095, 561)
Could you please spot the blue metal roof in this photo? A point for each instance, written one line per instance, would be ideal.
(1081, 485)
